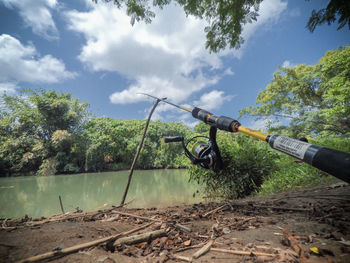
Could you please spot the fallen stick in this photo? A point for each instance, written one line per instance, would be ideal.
(190, 247)
(203, 250)
(242, 253)
(183, 228)
(69, 250)
(187, 259)
(214, 210)
(294, 245)
(136, 216)
(140, 238)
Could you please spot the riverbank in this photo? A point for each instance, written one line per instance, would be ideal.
(305, 225)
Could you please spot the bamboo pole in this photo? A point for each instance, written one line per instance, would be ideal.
(69, 250)
(138, 151)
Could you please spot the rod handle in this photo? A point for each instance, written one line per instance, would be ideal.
(331, 161)
(334, 162)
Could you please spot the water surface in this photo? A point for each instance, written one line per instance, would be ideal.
(38, 195)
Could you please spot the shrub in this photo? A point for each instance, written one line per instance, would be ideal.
(247, 162)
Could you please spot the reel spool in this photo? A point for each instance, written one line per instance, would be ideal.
(204, 153)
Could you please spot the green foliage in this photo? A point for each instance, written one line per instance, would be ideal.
(115, 141)
(36, 126)
(315, 98)
(48, 167)
(290, 174)
(335, 9)
(247, 162)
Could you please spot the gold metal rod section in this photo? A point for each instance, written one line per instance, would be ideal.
(252, 133)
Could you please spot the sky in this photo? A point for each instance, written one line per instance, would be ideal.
(93, 52)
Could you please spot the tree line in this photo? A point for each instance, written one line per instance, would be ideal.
(47, 132)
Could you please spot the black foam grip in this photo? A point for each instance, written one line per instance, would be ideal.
(225, 123)
(200, 114)
(173, 139)
(334, 162)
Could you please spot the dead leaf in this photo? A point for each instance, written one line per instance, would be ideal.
(187, 243)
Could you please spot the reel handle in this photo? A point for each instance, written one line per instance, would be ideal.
(173, 139)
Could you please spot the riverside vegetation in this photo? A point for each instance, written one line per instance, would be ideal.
(47, 133)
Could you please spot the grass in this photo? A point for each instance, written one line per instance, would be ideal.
(290, 175)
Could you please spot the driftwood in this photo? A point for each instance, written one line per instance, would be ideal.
(214, 210)
(242, 253)
(69, 250)
(140, 238)
(203, 250)
(136, 216)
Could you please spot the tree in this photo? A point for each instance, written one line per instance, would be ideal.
(315, 98)
(39, 128)
(227, 18)
(335, 9)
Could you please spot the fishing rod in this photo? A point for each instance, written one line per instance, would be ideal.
(207, 155)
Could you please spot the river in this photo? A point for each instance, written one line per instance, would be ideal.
(38, 195)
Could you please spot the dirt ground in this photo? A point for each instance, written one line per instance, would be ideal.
(304, 225)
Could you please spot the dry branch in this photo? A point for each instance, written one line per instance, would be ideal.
(294, 245)
(214, 210)
(242, 253)
(136, 216)
(203, 250)
(69, 250)
(183, 228)
(187, 259)
(140, 238)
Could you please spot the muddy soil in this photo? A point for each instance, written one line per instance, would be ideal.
(304, 225)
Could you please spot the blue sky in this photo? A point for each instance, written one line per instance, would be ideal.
(93, 52)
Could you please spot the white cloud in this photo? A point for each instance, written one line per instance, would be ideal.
(166, 58)
(21, 63)
(288, 64)
(37, 15)
(8, 88)
(212, 100)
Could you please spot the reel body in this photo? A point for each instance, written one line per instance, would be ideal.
(204, 153)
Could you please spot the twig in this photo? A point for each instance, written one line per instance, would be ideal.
(187, 259)
(125, 204)
(214, 210)
(183, 228)
(59, 197)
(190, 247)
(69, 250)
(140, 238)
(242, 253)
(203, 250)
(5, 227)
(294, 244)
(136, 216)
(138, 152)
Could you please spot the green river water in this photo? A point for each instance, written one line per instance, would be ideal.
(38, 196)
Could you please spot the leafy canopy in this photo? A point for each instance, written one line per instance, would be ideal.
(226, 18)
(315, 98)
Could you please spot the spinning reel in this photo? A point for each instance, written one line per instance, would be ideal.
(204, 153)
